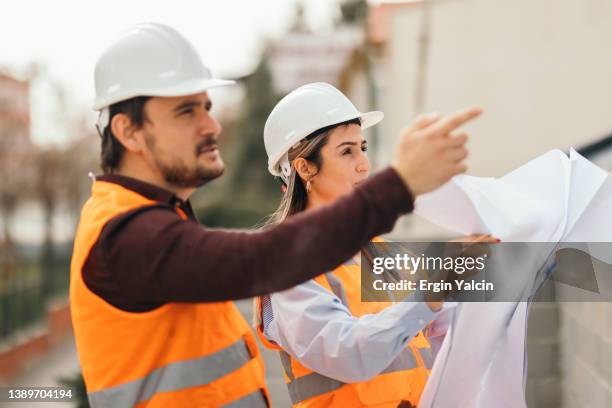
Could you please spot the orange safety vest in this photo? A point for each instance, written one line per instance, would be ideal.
(403, 380)
(178, 355)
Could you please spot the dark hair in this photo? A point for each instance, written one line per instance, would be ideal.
(111, 149)
(295, 198)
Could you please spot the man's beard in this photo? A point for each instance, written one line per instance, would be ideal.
(177, 173)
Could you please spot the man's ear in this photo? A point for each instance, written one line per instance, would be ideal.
(305, 169)
(125, 132)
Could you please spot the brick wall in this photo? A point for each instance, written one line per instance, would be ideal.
(570, 355)
(586, 354)
(543, 347)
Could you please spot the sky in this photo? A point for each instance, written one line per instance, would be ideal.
(66, 37)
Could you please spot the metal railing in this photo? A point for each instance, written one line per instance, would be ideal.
(26, 287)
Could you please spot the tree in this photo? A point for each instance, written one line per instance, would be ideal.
(354, 11)
(79, 159)
(48, 188)
(14, 149)
(249, 193)
(14, 173)
(260, 100)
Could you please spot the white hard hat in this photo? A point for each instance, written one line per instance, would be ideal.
(150, 59)
(303, 111)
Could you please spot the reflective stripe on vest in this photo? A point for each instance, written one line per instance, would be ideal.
(428, 357)
(337, 288)
(176, 376)
(315, 384)
(253, 400)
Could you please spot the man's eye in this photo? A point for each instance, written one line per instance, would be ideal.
(187, 112)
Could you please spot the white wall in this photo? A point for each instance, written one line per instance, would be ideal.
(540, 68)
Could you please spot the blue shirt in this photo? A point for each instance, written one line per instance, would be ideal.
(312, 325)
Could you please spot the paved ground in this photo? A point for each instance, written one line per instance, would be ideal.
(63, 362)
(274, 371)
(46, 371)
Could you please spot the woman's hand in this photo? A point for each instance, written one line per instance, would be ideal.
(478, 238)
(472, 246)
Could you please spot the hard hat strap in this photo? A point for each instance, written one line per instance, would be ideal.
(103, 120)
(285, 169)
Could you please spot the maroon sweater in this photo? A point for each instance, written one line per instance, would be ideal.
(151, 256)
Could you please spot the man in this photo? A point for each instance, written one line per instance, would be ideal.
(150, 287)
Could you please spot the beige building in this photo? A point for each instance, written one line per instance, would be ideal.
(541, 69)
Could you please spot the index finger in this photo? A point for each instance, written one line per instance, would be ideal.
(451, 122)
(481, 239)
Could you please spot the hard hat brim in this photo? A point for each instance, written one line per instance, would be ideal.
(182, 89)
(371, 118)
(368, 119)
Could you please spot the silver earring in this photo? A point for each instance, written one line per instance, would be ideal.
(308, 186)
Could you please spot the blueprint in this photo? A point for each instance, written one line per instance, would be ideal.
(553, 199)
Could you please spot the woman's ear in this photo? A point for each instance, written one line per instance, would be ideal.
(304, 168)
(122, 129)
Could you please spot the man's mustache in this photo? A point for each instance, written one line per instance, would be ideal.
(208, 143)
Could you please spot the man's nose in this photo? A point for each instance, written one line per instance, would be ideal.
(208, 124)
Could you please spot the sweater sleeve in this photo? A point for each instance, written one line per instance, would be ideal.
(154, 256)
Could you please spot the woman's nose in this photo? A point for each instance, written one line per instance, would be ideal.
(363, 165)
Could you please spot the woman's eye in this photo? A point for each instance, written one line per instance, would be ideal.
(188, 112)
(364, 148)
(347, 151)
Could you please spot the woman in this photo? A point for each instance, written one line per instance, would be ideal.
(336, 350)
